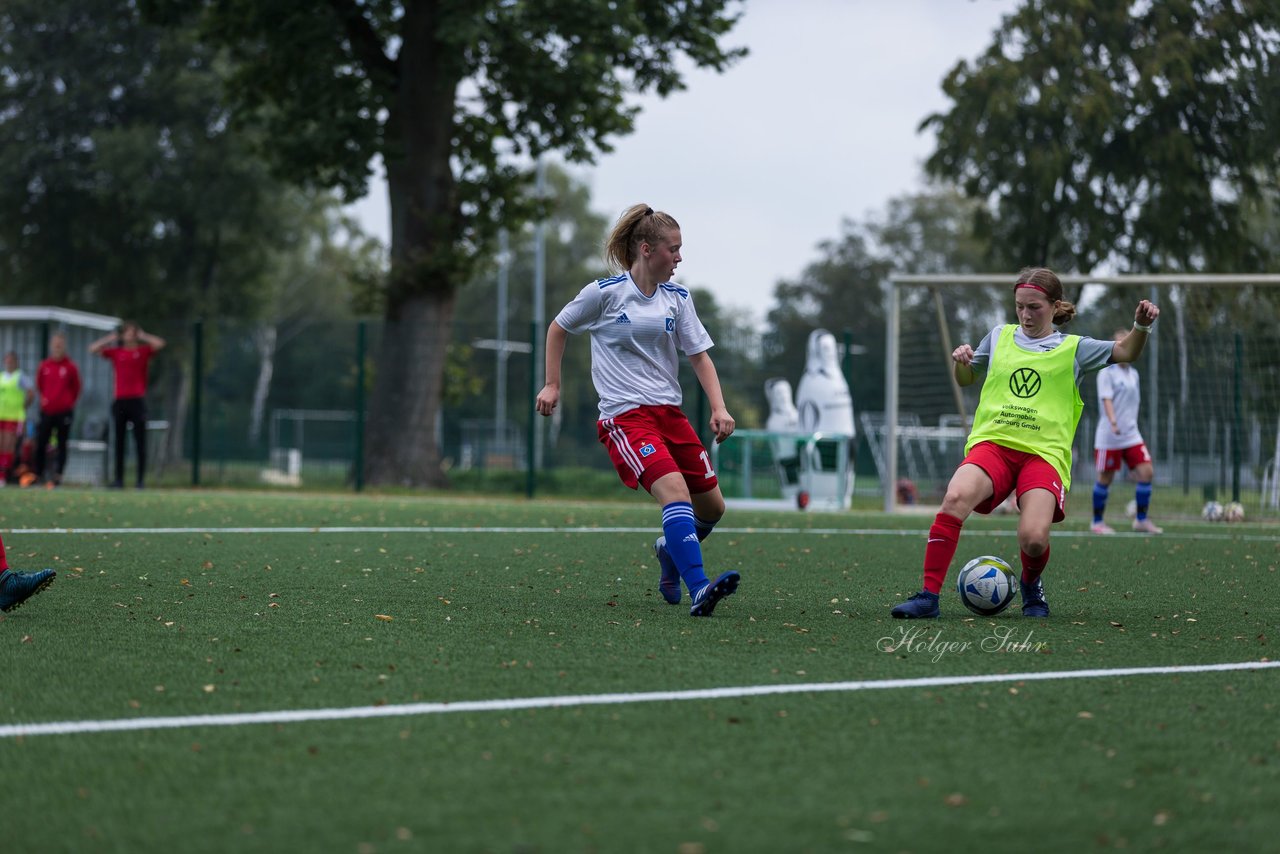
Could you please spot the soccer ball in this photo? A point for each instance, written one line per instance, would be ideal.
(986, 585)
(1234, 512)
(1131, 509)
(1212, 512)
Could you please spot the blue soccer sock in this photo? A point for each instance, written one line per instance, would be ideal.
(1142, 498)
(702, 527)
(682, 544)
(1100, 491)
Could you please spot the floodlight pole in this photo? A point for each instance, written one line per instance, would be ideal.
(500, 353)
(891, 399)
(539, 300)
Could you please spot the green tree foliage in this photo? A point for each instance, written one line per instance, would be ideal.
(841, 292)
(574, 252)
(738, 357)
(122, 189)
(1135, 133)
(844, 291)
(1139, 136)
(322, 257)
(299, 349)
(454, 95)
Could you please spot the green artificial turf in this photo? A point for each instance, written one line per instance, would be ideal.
(466, 600)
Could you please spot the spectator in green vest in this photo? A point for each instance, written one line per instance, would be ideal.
(16, 394)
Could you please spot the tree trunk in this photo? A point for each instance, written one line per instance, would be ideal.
(401, 444)
(264, 341)
(428, 261)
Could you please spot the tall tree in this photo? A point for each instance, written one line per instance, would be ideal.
(1134, 133)
(453, 95)
(122, 189)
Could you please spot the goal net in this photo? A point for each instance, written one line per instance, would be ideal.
(1210, 382)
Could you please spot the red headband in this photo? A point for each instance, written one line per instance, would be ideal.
(1030, 285)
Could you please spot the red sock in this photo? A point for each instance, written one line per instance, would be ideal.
(1033, 566)
(4, 562)
(944, 537)
(6, 460)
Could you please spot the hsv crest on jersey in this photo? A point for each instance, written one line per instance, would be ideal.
(646, 450)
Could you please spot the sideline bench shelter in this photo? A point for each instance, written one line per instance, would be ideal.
(26, 330)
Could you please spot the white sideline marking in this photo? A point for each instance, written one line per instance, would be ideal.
(408, 709)
(444, 529)
(448, 529)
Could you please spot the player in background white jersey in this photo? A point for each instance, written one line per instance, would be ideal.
(640, 321)
(1117, 440)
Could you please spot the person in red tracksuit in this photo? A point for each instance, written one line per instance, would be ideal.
(58, 386)
(129, 351)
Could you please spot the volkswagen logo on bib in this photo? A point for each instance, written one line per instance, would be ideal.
(1024, 382)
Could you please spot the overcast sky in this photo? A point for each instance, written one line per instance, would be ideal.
(815, 126)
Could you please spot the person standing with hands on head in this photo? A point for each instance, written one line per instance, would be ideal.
(58, 386)
(1116, 440)
(129, 351)
(1020, 442)
(639, 322)
(16, 394)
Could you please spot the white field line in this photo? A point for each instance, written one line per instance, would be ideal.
(415, 709)
(648, 530)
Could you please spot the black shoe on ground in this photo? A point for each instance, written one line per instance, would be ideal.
(923, 605)
(18, 587)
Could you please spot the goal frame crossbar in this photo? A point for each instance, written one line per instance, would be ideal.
(894, 316)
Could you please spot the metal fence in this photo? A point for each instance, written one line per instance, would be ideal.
(278, 407)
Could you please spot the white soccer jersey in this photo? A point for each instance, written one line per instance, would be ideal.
(1119, 383)
(634, 340)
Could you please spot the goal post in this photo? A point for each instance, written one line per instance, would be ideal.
(1209, 408)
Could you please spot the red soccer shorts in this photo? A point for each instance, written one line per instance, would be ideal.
(649, 442)
(1133, 456)
(10, 426)
(1012, 470)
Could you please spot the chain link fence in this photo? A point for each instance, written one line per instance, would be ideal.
(279, 407)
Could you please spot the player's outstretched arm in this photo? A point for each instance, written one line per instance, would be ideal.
(1128, 348)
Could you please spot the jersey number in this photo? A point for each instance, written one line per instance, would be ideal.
(706, 461)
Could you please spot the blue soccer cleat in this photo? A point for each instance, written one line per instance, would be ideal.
(707, 597)
(669, 583)
(923, 605)
(1033, 601)
(18, 587)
